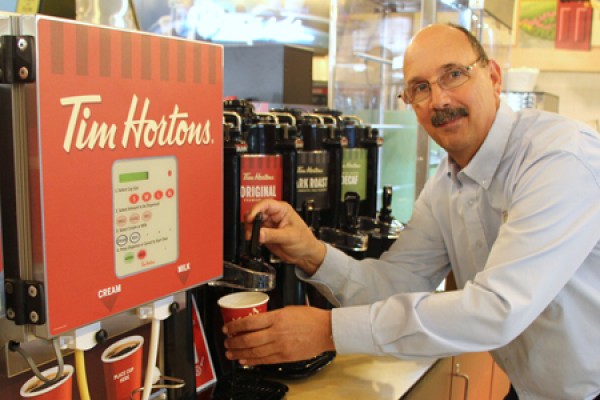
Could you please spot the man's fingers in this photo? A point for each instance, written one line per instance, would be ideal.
(248, 342)
(251, 323)
(269, 208)
(276, 236)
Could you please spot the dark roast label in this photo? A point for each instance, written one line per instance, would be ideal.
(261, 178)
(312, 179)
(354, 172)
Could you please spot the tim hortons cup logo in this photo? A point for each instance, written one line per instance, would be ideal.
(83, 132)
(253, 311)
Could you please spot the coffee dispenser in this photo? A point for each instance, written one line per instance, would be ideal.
(2, 309)
(383, 231)
(361, 163)
(328, 136)
(348, 237)
(290, 290)
(243, 268)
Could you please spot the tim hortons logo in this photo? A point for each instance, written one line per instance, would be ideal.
(83, 132)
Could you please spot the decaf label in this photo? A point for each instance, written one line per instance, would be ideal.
(312, 179)
(354, 172)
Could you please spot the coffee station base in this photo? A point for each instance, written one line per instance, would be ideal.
(360, 377)
(248, 385)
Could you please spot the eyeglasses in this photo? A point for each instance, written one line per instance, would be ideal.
(453, 78)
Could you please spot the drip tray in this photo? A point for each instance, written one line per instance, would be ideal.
(299, 369)
(249, 385)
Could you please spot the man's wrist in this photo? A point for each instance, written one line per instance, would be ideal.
(315, 259)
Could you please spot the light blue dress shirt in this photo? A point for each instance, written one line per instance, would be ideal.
(520, 229)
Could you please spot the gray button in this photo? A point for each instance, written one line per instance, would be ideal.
(135, 237)
(122, 240)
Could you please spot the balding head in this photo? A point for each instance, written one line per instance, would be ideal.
(453, 88)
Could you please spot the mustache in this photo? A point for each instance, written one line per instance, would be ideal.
(447, 114)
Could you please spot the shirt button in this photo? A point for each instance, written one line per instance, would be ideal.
(479, 243)
(471, 202)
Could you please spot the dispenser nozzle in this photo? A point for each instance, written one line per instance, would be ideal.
(385, 214)
(309, 214)
(351, 211)
(254, 245)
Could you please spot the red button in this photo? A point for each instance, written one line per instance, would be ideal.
(158, 194)
(146, 196)
(141, 254)
(170, 193)
(134, 198)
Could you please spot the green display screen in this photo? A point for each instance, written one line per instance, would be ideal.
(133, 177)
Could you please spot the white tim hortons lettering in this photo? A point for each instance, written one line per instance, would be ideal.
(196, 133)
(352, 165)
(263, 177)
(318, 183)
(109, 291)
(100, 135)
(258, 191)
(170, 130)
(302, 183)
(349, 180)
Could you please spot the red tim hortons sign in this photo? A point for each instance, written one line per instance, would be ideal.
(127, 157)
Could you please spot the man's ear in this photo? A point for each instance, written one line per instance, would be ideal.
(495, 76)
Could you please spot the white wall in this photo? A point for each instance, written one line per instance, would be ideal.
(578, 92)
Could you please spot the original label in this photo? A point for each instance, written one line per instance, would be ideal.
(261, 178)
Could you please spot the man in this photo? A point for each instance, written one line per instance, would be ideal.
(514, 212)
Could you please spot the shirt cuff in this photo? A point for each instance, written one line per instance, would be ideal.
(333, 271)
(351, 330)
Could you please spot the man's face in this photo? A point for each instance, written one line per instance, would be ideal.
(458, 119)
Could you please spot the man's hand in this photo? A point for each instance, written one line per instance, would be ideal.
(287, 236)
(292, 333)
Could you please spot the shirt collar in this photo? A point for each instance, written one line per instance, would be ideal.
(484, 164)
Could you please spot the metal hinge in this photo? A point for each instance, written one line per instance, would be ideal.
(25, 302)
(17, 59)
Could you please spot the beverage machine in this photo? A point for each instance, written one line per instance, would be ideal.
(300, 157)
(111, 204)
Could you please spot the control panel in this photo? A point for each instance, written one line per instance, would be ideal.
(145, 214)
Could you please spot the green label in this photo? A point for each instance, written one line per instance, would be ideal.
(354, 172)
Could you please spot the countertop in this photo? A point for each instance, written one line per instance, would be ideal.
(360, 377)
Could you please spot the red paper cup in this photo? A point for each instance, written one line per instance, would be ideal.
(61, 390)
(242, 304)
(123, 368)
